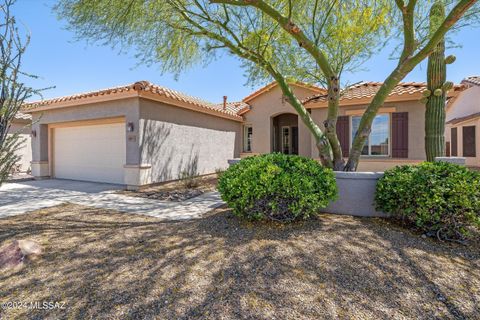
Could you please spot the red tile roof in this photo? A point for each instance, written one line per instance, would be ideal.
(235, 107)
(367, 90)
(22, 116)
(473, 80)
(137, 89)
(274, 84)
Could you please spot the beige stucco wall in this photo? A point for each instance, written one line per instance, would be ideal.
(127, 108)
(173, 140)
(416, 134)
(271, 104)
(469, 161)
(166, 139)
(25, 151)
(467, 103)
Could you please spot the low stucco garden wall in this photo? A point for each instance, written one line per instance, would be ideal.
(356, 193)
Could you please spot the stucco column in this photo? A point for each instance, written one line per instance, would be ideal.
(40, 159)
(136, 172)
(304, 140)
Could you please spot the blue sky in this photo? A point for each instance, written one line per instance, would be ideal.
(74, 66)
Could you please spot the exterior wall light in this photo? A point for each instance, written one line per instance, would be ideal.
(33, 133)
(130, 127)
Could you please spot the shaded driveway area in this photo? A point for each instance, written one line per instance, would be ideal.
(22, 197)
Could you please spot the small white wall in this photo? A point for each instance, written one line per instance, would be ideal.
(467, 103)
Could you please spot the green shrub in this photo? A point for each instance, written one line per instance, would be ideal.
(277, 187)
(189, 179)
(439, 198)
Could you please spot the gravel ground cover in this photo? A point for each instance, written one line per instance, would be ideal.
(99, 264)
(176, 190)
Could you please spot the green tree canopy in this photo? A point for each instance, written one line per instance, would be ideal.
(182, 33)
(313, 41)
(13, 92)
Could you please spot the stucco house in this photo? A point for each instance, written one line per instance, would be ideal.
(21, 125)
(397, 137)
(142, 133)
(462, 132)
(133, 135)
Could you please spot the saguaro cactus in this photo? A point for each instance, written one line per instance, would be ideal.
(435, 96)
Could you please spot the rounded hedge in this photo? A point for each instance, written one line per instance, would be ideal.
(439, 198)
(277, 187)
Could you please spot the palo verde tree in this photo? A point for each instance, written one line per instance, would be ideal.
(416, 47)
(435, 96)
(180, 33)
(13, 93)
(266, 35)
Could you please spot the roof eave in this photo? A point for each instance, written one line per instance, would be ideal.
(126, 95)
(272, 85)
(166, 100)
(82, 101)
(356, 102)
(462, 120)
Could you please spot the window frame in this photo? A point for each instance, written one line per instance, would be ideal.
(369, 155)
(454, 142)
(474, 154)
(289, 139)
(246, 142)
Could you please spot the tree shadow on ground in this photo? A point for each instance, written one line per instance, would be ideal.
(105, 264)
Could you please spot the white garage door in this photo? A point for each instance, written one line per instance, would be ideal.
(90, 153)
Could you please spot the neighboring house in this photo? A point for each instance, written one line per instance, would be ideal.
(462, 131)
(133, 135)
(141, 133)
(21, 124)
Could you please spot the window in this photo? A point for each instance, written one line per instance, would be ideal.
(454, 137)
(378, 143)
(286, 140)
(469, 141)
(247, 138)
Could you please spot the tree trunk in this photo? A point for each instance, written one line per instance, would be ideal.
(331, 123)
(436, 77)
(365, 125)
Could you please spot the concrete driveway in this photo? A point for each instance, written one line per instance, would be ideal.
(22, 197)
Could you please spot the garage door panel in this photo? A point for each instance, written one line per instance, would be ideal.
(90, 153)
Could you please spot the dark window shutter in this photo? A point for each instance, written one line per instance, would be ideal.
(343, 133)
(400, 134)
(454, 142)
(447, 149)
(469, 141)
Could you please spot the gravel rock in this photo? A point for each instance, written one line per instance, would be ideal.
(108, 265)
